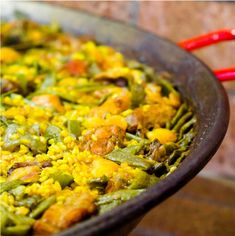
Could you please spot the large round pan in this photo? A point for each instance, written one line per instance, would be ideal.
(194, 79)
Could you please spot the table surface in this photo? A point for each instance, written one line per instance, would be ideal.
(194, 211)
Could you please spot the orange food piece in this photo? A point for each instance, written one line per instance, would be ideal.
(102, 140)
(60, 216)
(49, 100)
(114, 105)
(27, 174)
(76, 67)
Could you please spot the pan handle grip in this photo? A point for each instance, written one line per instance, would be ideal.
(209, 39)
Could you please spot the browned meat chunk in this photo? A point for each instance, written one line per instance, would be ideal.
(27, 174)
(113, 105)
(102, 140)
(60, 216)
(151, 116)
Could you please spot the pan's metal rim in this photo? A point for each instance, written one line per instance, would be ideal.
(173, 182)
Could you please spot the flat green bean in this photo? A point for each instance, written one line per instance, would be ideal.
(17, 230)
(182, 121)
(122, 195)
(143, 180)
(8, 185)
(181, 111)
(186, 126)
(42, 207)
(127, 155)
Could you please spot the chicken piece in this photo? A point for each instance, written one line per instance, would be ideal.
(60, 216)
(17, 165)
(27, 174)
(149, 116)
(49, 100)
(113, 105)
(102, 140)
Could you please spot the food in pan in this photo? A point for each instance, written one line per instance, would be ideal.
(83, 129)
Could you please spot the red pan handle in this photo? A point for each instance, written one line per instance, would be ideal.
(209, 39)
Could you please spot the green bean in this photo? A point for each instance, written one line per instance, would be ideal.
(122, 195)
(173, 157)
(137, 94)
(186, 140)
(16, 219)
(182, 121)
(179, 159)
(18, 230)
(18, 192)
(143, 180)
(106, 207)
(132, 136)
(53, 132)
(21, 224)
(3, 220)
(74, 127)
(10, 144)
(167, 87)
(19, 219)
(99, 183)
(168, 125)
(8, 185)
(126, 155)
(89, 87)
(64, 179)
(42, 207)
(34, 143)
(181, 111)
(186, 126)
(29, 202)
